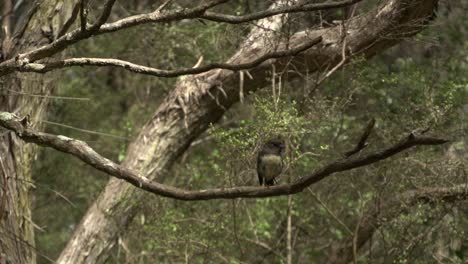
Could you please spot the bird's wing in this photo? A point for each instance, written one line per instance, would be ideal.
(260, 169)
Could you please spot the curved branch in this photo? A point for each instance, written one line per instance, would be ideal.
(132, 67)
(296, 8)
(84, 152)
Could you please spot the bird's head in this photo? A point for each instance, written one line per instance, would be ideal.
(276, 145)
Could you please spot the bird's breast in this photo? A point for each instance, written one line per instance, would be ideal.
(271, 165)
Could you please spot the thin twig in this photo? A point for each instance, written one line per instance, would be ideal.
(342, 61)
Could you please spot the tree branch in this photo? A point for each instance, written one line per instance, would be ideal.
(77, 9)
(49, 66)
(82, 151)
(104, 15)
(296, 8)
(83, 15)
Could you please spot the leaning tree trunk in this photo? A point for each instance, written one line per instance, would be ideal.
(34, 27)
(202, 99)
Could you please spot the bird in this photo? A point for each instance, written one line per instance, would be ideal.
(270, 161)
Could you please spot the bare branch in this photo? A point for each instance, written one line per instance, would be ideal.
(301, 7)
(85, 153)
(104, 15)
(71, 20)
(49, 66)
(83, 15)
(343, 55)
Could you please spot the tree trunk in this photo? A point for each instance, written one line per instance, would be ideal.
(16, 226)
(202, 99)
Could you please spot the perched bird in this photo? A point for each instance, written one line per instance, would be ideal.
(270, 161)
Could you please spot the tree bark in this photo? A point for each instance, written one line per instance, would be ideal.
(200, 100)
(16, 225)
